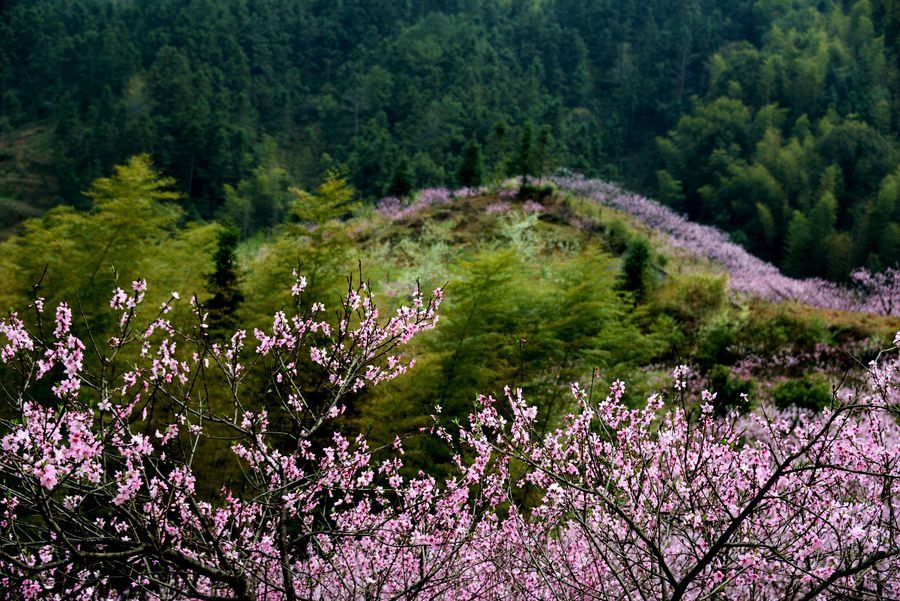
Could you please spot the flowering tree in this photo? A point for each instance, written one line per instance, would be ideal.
(99, 495)
(668, 501)
(660, 503)
(871, 292)
(880, 291)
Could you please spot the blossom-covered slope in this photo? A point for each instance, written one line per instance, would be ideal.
(871, 293)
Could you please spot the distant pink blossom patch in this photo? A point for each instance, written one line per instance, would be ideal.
(395, 209)
(497, 208)
(877, 293)
(530, 206)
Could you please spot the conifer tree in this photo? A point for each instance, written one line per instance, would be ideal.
(402, 180)
(541, 163)
(523, 163)
(635, 274)
(471, 166)
(224, 285)
(314, 237)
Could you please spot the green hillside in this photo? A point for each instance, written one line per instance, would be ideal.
(543, 289)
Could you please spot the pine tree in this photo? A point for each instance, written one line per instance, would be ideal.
(541, 163)
(402, 181)
(634, 276)
(223, 283)
(471, 166)
(523, 163)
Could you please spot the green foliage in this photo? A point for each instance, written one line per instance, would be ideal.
(316, 239)
(670, 190)
(402, 180)
(635, 275)
(690, 298)
(135, 184)
(316, 213)
(471, 165)
(523, 163)
(134, 231)
(202, 84)
(790, 145)
(262, 200)
(224, 285)
(809, 392)
(717, 339)
(538, 324)
(543, 152)
(732, 393)
(617, 237)
(799, 246)
(786, 326)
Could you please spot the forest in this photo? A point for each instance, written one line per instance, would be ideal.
(456, 299)
(774, 120)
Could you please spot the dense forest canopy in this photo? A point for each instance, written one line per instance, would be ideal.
(774, 119)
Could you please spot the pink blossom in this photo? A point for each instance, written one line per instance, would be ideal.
(611, 501)
(873, 293)
(498, 208)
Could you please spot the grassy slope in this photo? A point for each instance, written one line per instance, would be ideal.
(691, 321)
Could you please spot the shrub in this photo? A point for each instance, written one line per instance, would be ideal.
(690, 298)
(809, 392)
(731, 393)
(717, 338)
(617, 237)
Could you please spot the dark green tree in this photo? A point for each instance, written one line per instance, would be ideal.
(497, 150)
(523, 161)
(669, 190)
(798, 246)
(636, 272)
(402, 180)
(224, 285)
(471, 165)
(543, 152)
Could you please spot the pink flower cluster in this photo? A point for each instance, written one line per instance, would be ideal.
(394, 209)
(17, 337)
(498, 208)
(531, 206)
(669, 504)
(663, 501)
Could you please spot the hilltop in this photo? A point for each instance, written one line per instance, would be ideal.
(577, 277)
(564, 280)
